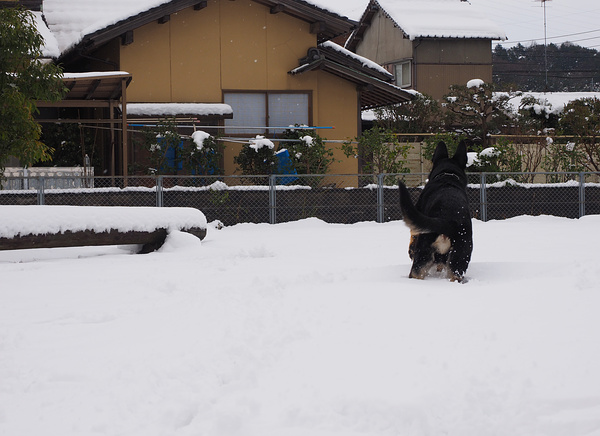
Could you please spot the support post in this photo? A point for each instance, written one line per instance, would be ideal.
(483, 198)
(159, 191)
(581, 195)
(380, 199)
(40, 192)
(273, 199)
(124, 128)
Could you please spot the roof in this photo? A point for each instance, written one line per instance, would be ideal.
(88, 23)
(431, 19)
(50, 48)
(373, 81)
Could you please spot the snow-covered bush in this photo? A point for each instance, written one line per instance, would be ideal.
(308, 153)
(257, 157)
(475, 110)
(170, 152)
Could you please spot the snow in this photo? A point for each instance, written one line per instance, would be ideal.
(50, 46)
(308, 140)
(550, 102)
(489, 152)
(34, 220)
(475, 83)
(199, 137)
(304, 328)
(364, 61)
(441, 19)
(94, 74)
(71, 20)
(175, 109)
(260, 142)
(472, 158)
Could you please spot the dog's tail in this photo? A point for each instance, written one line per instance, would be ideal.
(416, 220)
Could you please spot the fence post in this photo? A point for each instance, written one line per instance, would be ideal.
(159, 191)
(581, 195)
(40, 192)
(483, 198)
(272, 199)
(380, 205)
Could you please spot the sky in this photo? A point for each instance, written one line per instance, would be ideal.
(577, 21)
(303, 329)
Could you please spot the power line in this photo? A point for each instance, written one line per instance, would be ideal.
(551, 37)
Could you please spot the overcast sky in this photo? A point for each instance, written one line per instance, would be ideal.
(577, 21)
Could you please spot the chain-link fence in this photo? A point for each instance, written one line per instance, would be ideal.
(333, 198)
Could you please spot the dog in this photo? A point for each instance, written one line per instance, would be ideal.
(440, 223)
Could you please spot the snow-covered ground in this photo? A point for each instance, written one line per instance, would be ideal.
(305, 329)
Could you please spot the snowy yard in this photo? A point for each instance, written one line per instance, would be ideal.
(305, 329)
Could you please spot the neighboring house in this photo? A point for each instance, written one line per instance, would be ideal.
(428, 45)
(226, 63)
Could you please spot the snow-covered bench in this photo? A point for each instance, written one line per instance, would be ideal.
(23, 227)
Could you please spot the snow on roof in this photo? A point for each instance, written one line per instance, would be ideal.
(440, 19)
(50, 48)
(364, 61)
(71, 20)
(174, 109)
(352, 9)
(94, 74)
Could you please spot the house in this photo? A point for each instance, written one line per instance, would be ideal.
(240, 67)
(428, 45)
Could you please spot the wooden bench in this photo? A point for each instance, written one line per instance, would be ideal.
(25, 227)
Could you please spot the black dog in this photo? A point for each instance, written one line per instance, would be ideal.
(440, 223)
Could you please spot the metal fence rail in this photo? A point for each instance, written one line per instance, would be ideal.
(346, 198)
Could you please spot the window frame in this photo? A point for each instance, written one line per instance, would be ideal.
(398, 73)
(267, 116)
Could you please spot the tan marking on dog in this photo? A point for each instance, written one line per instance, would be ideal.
(442, 244)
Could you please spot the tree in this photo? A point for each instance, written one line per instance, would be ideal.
(475, 110)
(581, 119)
(24, 79)
(419, 115)
(380, 152)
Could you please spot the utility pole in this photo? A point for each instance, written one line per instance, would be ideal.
(543, 2)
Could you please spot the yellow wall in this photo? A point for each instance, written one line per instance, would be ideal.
(236, 45)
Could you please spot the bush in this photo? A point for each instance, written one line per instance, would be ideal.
(171, 152)
(308, 152)
(379, 151)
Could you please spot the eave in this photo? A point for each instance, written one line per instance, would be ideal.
(326, 25)
(374, 92)
(91, 89)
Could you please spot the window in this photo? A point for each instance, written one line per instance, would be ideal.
(266, 109)
(403, 74)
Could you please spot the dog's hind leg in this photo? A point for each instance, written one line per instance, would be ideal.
(458, 260)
